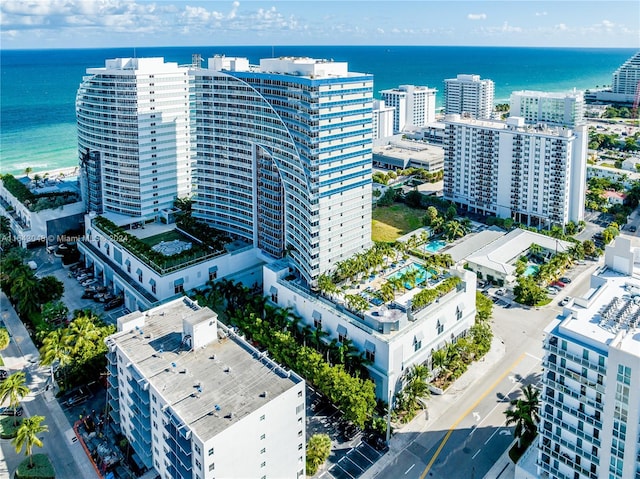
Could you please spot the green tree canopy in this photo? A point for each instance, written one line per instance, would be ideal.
(318, 450)
(27, 436)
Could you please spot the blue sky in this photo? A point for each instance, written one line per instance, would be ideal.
(125, 23)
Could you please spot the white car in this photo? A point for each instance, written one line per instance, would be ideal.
(89, 282)
(565, 300)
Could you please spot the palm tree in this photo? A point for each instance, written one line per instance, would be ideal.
(56, 348)
(13, 388)
(4, 338)
(27, 436)
(27, 171)
(525, 414)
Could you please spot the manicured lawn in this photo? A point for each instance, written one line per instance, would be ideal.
(166, 236)
(7, 429)
(42, 468)
(391, 222)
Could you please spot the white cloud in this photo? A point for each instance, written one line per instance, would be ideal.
(380, 31)
(541, 14)
(477, 16)
(561, 27)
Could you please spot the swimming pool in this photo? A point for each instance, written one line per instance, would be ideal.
(531, 269)
(434, 246)
(422, 276)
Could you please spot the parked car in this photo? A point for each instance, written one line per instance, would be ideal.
(565, 300)
(377, 442)
(114, 303)
(11, 411)
(78, 396)
(565, 280)
(552, 291)
(558, 284)
(348, 430)
(89, 294)
(84, 277)
(632, 229)
(89, 282)
(501, 291)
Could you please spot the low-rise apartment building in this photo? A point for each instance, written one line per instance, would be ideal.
(393, 336)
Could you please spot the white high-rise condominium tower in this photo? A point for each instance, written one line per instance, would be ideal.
(590, 403)
(469, 95)
(560, 109)
(134, 136)
(284, 157)
(382, 120)
(415, 106)
(196, 401)
(626, 79)
(535, 175)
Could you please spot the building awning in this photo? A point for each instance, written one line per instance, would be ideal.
(369, 346)
(316, 315)
(127, 262)
(273, 290)
(419, 336)
(342, 330)
(213, 269)
(138, 271)
(178, 282)
(152, 282)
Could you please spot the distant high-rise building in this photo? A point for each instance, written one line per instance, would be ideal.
(415, 106)
(284, 157)
(590, 400)
(196, 401)
(469, 95)
(382, 119)
(533, 174)
(626, 79)
(134, 136)
(559, 109)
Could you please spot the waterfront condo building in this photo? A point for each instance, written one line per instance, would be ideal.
(196, 401)
(590, 403)
(533, 174)
(553, 109)
(626, 79)
(134, 136)
(415, 106)
(469, 95)
(284, 157)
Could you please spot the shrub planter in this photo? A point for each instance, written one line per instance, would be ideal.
(42, 468)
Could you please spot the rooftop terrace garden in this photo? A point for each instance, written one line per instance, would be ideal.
(205, 243)
(37, 201)
(378, 275)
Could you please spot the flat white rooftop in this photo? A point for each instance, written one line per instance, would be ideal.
(611, 317)
(209, 388)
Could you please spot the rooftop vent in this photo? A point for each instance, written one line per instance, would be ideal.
(213, 356)
(229, 416)
(264, 394)
(227, 369)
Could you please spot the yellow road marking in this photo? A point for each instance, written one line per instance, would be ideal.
(466, 413)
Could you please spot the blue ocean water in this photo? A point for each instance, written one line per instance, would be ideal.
(38, 87)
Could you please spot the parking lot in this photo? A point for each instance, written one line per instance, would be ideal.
(350, 455)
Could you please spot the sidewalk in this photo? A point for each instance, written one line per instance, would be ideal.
(437, 406)
(23, 355)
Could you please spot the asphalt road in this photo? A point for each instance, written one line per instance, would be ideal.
(467, 440)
